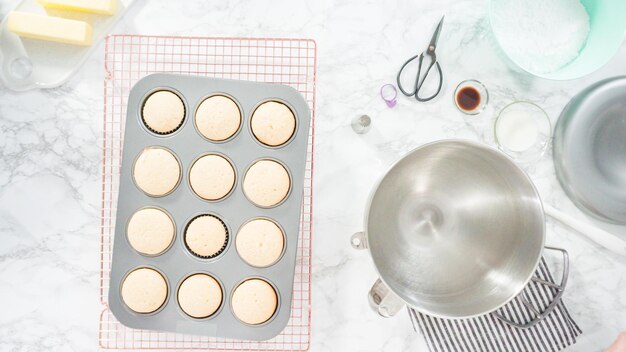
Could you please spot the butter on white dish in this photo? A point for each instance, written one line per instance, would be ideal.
(49, 28)
(100, 7)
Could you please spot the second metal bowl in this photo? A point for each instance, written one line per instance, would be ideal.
(590, 150)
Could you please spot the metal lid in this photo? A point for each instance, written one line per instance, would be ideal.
(590, 150)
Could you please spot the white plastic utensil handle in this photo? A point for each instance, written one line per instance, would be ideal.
(599, 236)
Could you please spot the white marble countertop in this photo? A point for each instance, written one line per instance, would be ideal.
(50, 166)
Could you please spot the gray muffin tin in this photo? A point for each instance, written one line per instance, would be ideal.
(176, 263)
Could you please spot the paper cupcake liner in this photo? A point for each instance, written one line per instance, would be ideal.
(174, 129)
(220, 251)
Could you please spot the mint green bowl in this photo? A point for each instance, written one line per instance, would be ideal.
(607, 30)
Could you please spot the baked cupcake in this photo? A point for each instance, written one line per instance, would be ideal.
(163, 112)
(266, 183)
(200, 296)
(212, 177)
(144, 290)
(273, 123)
(206, 236)
(218, 118)
(150, 231)
(156, 171)
(260, 242)
(254, 301)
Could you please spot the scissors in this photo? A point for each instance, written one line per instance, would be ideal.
(419, 82)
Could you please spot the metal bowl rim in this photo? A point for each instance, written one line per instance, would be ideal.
(480, 146)
(562, 174)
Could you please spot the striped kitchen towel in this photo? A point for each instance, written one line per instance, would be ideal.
(487, 333)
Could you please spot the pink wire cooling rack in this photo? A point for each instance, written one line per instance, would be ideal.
(129, 58)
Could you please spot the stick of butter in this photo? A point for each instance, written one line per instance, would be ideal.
(101, 7)
(49, 28)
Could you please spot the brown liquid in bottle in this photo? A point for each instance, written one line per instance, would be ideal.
(468, 98)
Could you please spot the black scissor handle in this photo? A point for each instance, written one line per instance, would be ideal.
(419, 82)
(419, 86)
(408, 94)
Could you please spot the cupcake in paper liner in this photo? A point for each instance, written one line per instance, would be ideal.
(206, 236)
(163, 112)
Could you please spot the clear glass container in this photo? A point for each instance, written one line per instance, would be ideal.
(471, 97)
(523, 131)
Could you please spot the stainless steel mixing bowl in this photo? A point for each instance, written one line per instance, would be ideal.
(455, 230)
(590, 150)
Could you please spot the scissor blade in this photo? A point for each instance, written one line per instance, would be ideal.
(435, 38)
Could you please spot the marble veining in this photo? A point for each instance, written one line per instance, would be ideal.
(51, 150)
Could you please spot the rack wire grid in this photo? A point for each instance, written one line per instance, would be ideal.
(128, 58)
